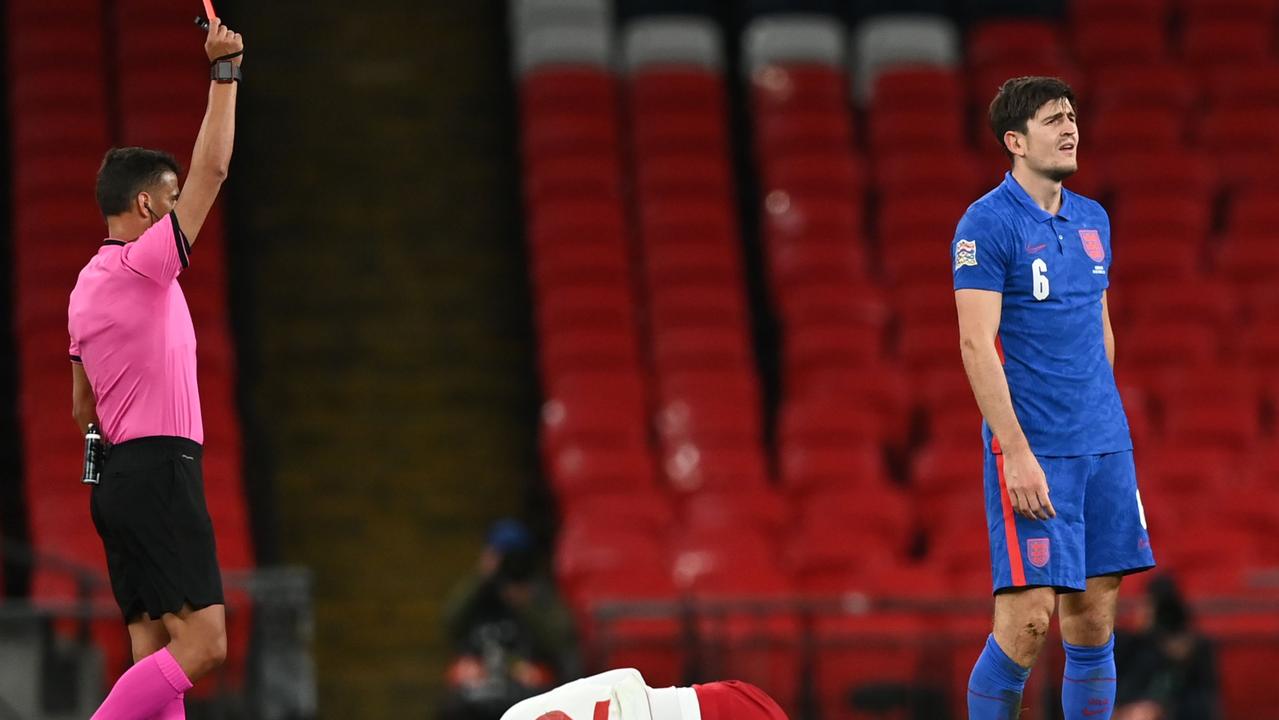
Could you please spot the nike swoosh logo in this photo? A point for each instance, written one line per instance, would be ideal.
(1032, 249)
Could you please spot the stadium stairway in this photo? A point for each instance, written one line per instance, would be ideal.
(394, 382)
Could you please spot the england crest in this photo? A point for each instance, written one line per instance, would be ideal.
(965, 253)
(1092, 245)
(1037, 551)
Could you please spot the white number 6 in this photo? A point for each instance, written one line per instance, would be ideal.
(1040, 280)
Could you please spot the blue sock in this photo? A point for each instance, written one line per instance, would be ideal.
(1088, 685)
(994, 689)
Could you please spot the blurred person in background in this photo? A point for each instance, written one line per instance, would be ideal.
(1031, 263)
(1169, 671)
(623, 695)
(133, 372)
(511, 635)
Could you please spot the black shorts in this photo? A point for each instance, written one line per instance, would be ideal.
(149, 510)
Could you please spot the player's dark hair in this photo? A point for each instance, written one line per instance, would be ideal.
(1019, 99)
(125, 172)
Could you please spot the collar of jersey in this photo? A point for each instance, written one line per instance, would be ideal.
(1039, 214)
(113, 241)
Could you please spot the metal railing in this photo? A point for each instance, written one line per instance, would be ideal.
(818, 669)
(54, 653)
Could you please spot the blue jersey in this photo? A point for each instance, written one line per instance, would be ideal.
(1052, 271)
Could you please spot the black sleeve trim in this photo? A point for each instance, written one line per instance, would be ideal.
(76, 359)
(184, 246)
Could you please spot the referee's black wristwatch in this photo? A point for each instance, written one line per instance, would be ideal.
(224, 71)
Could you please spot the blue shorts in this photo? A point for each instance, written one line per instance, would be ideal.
(1100, 527)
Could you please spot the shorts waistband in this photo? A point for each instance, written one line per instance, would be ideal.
(159, 442)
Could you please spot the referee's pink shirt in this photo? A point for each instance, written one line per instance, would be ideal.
(131, 328)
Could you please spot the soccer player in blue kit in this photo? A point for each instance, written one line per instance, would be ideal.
(1031, 265)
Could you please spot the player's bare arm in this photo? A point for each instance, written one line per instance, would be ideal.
(84, 407)
(211, 157)
(979, 314)
(1108, 332)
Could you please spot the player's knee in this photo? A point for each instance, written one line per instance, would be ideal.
(1092, 627)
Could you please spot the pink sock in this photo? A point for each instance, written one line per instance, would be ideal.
(175, 710)
(148, 687)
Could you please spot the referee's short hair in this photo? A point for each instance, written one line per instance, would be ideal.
(127, 171)
(1019, 99)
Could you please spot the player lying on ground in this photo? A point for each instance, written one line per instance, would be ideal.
(623, 695)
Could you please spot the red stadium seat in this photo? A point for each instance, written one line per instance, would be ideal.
(818, 421)
(674, 264)
(549, 90)
(760, 511)
(815, 260)
(1113, 130)
(799, 87)
(807, 469)
(565, 226)
(1201, 300)
(592, 265)
(698, 306)
(1244, 85)
(1106, 43)
(835, 303)
(884, 511)
(587, 550)
(820, 555)
(1261, 344)
(1172, 255)
(923, 346)
(1213, 40)
(1186, 469)
(1158, 346)
(1166, 85)
(918, 88)
(1248, 259)
(641, 510)
(1141, 170)
(581, 469)
(677, 89)
(1153, 12)
(1003, 41)
(738, 384)
(688, 348)
(552, 135)
(1137, 211)
(589, 176)
(567, 349)
(653, 645)
(905, 175)
(839, 175)
(679, 175)
(584, 306)
(688, 133)
(1221, 128)
(815, 348)
(790, 215)
(804, 132)
(623, 388)
(882, 389)
(908, 132)
(917, 221)
(690, 467)
(687, 223)
(596, 422)
(708, 420)
(1252, 213)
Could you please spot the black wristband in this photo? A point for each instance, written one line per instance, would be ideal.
(224, 71)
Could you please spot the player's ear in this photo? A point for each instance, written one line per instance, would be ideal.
(1015, 143)
(140, 204)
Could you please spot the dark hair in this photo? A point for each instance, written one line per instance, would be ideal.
(1171, 614)
(125, 172)
(1019, 99)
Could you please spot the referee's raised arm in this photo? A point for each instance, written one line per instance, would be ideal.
(211, 157)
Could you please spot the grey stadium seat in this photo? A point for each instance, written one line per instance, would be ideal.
(774, 39)
(887, 40)
(672, 39)
(525, 15)
(583, 44)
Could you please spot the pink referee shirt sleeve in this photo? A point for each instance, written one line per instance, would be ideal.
(160, 253)
(75, 352)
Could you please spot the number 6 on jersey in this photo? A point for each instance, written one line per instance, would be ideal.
(1039, 278)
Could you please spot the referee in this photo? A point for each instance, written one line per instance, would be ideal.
(133, 373)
